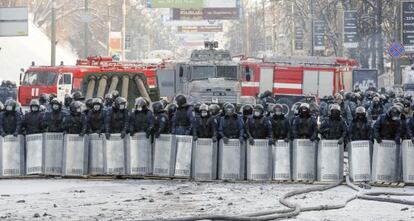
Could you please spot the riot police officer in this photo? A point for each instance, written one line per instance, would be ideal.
(345, 110)
(196, 109)
(160, 120)
(96, 117)
(77, 96)
(43, 99)
(53, 121)
(183, 117)
(32, 121)
(388, 126)
(247, 112)
(116, 120)
(231, 125)
(88, 105)
(280, 124)
(171, 109)
(334, 128)
(67, 101)
(75, 122)
(108, 101)
(258, 126)
(204, 125)
(304, 126)
(360, 127)
(115, 94)
(10, 120)
(376, 108)
(141, 119)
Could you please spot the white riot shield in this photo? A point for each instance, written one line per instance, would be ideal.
(184, 150)
(96, 153)
(304, 160)
(259, 160)
(330, 161)
(53, 153)
(75, 155)
(281, 161)
(407, 149)
(114, 155)
(360, 161)
(12, 156)
(231, 162)
(34, 154)
(164, 155)
(385, 162)
(204, 165)
(139, 155)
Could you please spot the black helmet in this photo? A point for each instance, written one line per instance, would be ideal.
(11, 105)
(140, 104)
(258, 110)
(204, 110)
(34, 105)
(164, 103)
(335, 111)
(181, 100)
(43, 98)
(68, 99)
(197, 107)
(266, 94)
(394, 113)
(214, 109)
(304, 109)
(120, 103)
(77, 96)
(76, 108)
(56, 104)
(115, 94)
(172, 108)
(157, 107)
(89, 103)
(278, 110)
(230, 110)
(247, 110)
(52, 96)
(97, 104)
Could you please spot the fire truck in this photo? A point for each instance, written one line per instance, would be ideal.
(316, 76)
(63, 79)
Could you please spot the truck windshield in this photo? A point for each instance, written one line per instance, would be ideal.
(41, 78)
(228, 72)
(203, 72)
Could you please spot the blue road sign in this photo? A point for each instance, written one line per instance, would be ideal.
(396, 50)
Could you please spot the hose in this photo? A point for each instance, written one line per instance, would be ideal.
(125, 86)
(91, 87)
(141, 88)
(102, 86)
(114, 83)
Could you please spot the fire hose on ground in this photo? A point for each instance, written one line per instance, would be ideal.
(295, 209)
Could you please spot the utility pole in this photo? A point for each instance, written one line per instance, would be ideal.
(85, 29)
(108, 50)
(311, 21)
(340, 26)
(264, 24)
(123, 29)
(397, 33)
(53, 36)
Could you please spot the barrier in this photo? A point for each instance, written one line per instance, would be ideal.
(204, 165)
(184, 150)
(164, 155)
(231, 164)
(96, 154)
(304, 160)
(139, 155)
(330, 161)
(281, 161)
(114, 155)
(34, 154)
(53, 153)
(407, 149)
(360, 161)
(259, 161)
(385, 162)
(12, 156)
(75, 155)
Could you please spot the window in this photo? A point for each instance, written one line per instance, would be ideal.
(228, 72)
(203, 72)
(67, 78)
(40, 78)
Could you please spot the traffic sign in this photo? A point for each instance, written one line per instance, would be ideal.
(396, 50)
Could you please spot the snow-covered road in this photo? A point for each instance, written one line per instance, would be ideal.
(71, 199)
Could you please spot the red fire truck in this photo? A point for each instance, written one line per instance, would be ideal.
(65, 79)
(316, 76)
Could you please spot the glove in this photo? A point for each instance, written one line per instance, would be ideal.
(131, 134)
(123, 134)
(286, 140)
(225, 140)
(15, 134)
(107, 135)
(81, 134)
(241, 139)
(340, 141)
(3, 134)
(148, 133)
(271, 142)
(24, 132)
(398, 141)
(251, 141)
(214, 139)
(379, 140)
(195, 138)
(157, 134)
(412, 140)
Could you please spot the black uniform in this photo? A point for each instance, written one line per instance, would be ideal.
(116, 120)
(10, 119)
(53, 121)
(32, 121)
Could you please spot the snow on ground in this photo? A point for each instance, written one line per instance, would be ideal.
(71, 199)
(19, 52)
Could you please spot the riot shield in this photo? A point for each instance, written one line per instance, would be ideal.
(114, 155)
(281, 161)
(139, 154)
(204, 165)
(164, 155)
(34, 154)
(75, 155)
(385, 162)
(184, 150)
(407, 149)
(360, 161)
(304, 160)
(231, 163)
(330, 161)
(53, 153)
(259, 160)
(12, 156)
(96, 153)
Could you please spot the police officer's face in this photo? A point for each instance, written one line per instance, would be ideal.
(122, 107)
(204, 113)
(34, 108)
(9, 108)
(257, 113)
(55, 107)
(96, 107)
